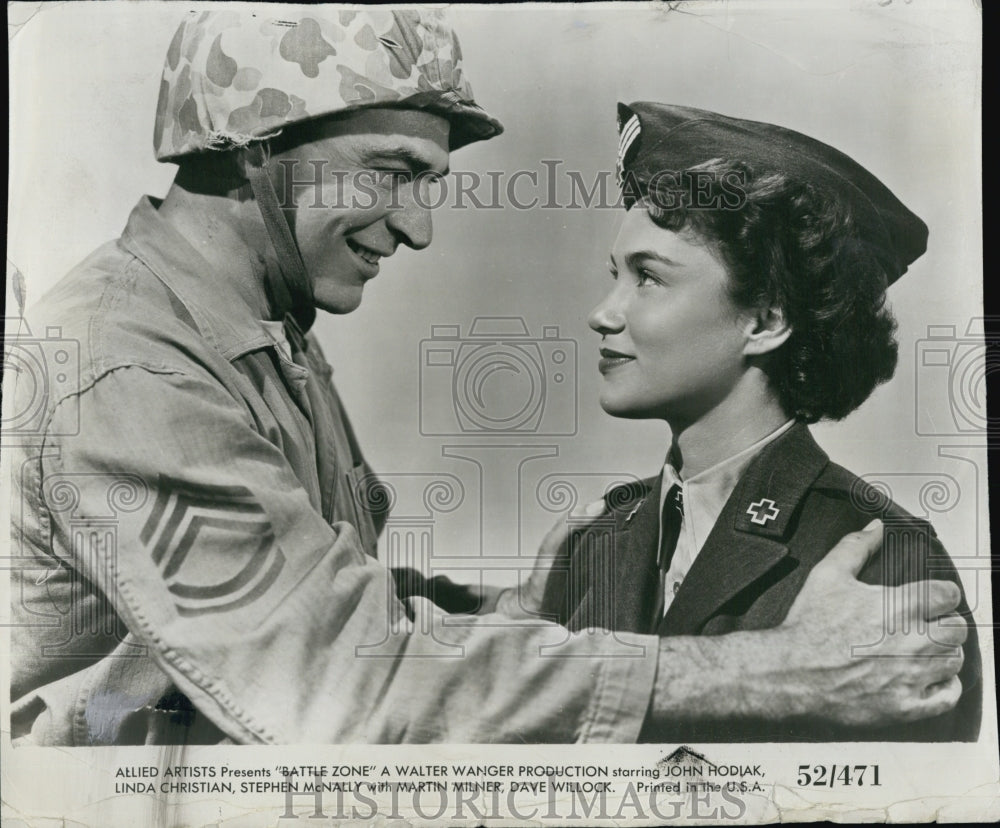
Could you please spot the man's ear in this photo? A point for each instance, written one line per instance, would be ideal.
(766, 330)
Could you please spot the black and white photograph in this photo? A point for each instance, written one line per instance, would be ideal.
(529, 414)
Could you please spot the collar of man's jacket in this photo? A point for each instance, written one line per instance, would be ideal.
(219, 303)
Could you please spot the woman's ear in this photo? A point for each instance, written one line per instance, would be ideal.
(766, 331)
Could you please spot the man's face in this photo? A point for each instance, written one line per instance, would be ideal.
(671, 338)
(376, 166)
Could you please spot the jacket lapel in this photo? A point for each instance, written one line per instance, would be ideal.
(636, 575)
(750, 535)
(622, 587)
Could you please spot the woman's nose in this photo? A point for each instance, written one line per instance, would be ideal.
(607, 317)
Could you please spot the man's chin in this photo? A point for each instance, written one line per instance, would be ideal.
(344, 302)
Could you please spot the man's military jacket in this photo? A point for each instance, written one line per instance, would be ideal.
(194, 547)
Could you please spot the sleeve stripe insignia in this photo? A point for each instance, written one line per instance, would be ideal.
(228, 516)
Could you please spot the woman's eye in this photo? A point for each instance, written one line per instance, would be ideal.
(644, 277)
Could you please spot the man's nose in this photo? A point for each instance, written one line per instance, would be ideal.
(607, 317)
(411, 220)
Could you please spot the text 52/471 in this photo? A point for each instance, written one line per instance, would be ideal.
(830, 776)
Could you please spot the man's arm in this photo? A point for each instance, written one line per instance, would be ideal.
(287, 632)
(276, 625)
(806, 666)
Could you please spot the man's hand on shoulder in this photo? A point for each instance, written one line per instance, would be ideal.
(848, 652)
(873, 655)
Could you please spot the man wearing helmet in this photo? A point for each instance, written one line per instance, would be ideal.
(230, 594)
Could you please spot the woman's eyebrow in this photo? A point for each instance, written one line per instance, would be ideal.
(637, 256)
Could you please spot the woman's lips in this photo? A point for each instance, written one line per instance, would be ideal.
(612, 359)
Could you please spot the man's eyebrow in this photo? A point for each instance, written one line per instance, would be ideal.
(417, 163)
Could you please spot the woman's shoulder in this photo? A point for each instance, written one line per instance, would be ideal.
(840, 502)
(864, 499)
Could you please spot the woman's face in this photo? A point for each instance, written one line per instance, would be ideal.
(672, 341)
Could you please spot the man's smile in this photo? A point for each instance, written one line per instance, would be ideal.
(369, 257)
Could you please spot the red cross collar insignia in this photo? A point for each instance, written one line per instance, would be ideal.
(762, 511)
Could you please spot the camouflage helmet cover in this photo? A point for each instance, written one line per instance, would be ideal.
(235, 76)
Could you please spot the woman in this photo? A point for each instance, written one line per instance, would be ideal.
(750, 276)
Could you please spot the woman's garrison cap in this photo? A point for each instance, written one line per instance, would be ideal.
(663, 139)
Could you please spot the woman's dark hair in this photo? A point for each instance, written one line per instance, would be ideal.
(787, 245)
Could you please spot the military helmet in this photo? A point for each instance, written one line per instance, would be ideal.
(233, 77)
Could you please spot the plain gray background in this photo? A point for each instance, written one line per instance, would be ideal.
(896, 85)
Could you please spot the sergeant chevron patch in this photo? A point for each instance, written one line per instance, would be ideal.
(626, 138)
(213, 544)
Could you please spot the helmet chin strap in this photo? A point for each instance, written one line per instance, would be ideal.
(290, 291)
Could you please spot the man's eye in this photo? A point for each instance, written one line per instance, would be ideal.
(393, 178)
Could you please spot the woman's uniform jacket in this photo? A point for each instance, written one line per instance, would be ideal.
(748, 573)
